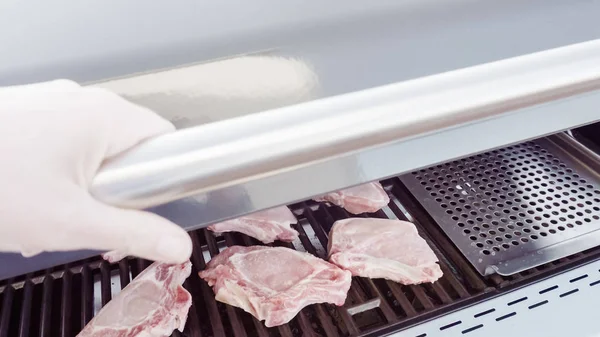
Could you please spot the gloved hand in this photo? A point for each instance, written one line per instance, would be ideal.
(53, 138)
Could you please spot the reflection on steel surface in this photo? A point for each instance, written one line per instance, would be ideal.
(239, 150)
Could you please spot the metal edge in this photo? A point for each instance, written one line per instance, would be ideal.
(577, 151)
(546, 254)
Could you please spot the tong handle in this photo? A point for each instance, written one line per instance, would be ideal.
(217, 155)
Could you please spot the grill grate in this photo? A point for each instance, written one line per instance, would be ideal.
(61, 300)
(512, 209)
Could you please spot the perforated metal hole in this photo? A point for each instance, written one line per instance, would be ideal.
(519, 198)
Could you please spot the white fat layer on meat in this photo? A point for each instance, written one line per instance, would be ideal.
(235, 296)
(380, 267)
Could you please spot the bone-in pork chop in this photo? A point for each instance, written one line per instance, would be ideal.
(152, 305)
(366, 198)
(266, 226)
(274, 283)
(382, 248)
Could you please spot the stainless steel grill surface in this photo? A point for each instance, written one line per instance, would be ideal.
(514, 208)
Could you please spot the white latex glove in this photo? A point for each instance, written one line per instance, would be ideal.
(53, 138)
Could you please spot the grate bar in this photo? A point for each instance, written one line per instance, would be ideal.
(25, 321)
(285, 331)
(9, 293)
(144, 263)
(124, 273)
(305, 240)
(321, 313)
(211, 304)
(65, 313)
(385, 308)
(248, 241)
(396, 290)
(192, 328)
(441, 293)
(322, 237)
(46, 315)
(134, 268)
(355, 291)
(261, 330)
(232, 312)
(320, 232)
(213, 249)
(330, 330)
(234, 319)
(454, 282)
(422, 297)
(105, 289)
(87, 295)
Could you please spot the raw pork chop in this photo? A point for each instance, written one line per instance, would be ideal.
(382, 248)
(266, 226)
(367, 198)
(152, 305)
(274, 283)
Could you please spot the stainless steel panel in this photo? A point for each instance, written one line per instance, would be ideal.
(352, 46)
(515, 208)
(562, 305)
(235, 151)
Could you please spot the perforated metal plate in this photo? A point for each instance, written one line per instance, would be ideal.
(514, 208)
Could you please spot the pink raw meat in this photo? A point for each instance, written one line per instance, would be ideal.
(152, 305)
(367, 198)
(382, 248)
(266, 226)
(274, 283)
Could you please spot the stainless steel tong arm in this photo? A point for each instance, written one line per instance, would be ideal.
(220, 154)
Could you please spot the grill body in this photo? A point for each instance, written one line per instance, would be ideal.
(61, 300)
(352, 48)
